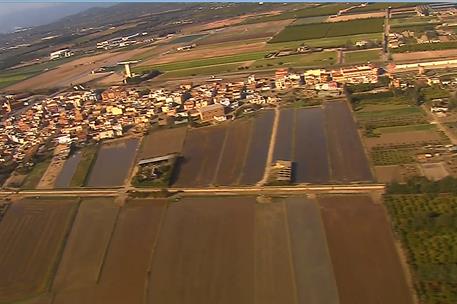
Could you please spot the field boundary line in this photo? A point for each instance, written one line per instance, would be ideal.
(153, 251)
(108, 245)
(219, 160)
(248, 147)
(289, 251)
(61, 252)
(327, 248)
(271, 147)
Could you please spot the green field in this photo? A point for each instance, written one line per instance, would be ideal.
(427, 227)
(34, 177)
(189, 64)
(301, 60)
(411, 21)
(330, 42)
(388, 156)
(309, 20)
(390, 118)
(420, 127)
(362, 56)
(323, 30)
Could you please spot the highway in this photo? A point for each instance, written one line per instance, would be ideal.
(350, 188)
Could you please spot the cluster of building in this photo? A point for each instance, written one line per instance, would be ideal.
(78, 117)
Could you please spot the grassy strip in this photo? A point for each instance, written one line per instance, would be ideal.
(34, 177)
(207, 70)
(88, 156)
(362, 56)
(188, 64)
(334, 29)
(420, 127)
(384, 157)
(313, 59)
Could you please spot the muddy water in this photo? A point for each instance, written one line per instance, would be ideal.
(69, 168)
(113, 163)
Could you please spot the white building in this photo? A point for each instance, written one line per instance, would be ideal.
(61, 54)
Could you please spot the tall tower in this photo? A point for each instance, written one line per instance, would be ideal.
(126, 64)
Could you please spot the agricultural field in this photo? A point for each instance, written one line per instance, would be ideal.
(200, 156)
(364, 57)
(426, 227)
(113, 164)
(82, 259)
(81, 172)
(326, 58)
(198, 63)
(277, 246)
(208, 159)
(34, 176)
(395, 132)
(346, 153)
(362, 251)
(234, 153)
(205, 70)
(424, 55)
(162, 142)
(312, 11)
(32, 234)
(332, 29)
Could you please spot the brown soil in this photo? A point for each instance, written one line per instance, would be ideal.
(365, 261)
(31, 237)
(425, 55)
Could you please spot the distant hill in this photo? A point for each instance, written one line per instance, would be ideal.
(16, 15)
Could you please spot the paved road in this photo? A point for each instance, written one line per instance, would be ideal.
(350, 188)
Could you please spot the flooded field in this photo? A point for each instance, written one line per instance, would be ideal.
(69, 168)
(113, 163)
(234, 154)
(230, 249)
(258, 148)
(198, 164)
(323, 143)
(311, 153)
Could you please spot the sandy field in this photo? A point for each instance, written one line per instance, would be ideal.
(355, 16)
(72, 72)
(434, 171)
(425, 55)
(247, 31)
